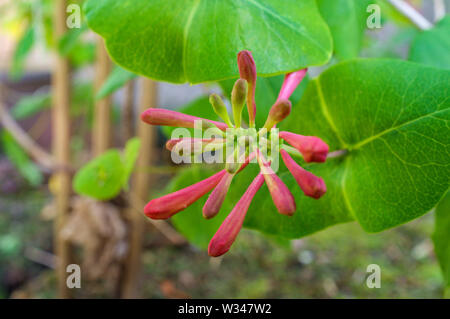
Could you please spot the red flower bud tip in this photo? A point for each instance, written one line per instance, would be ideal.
(216, 198)
(312, 148)
(310, 184)
(247, 71)
(230, 228)
(191, 142)
(279, 111)
(281, 196)
(172, 118)
(167, 206)
(291, 81)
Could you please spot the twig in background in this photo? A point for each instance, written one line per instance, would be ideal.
(42, 157)
(412, 14)
(439, 10)
(41, 257)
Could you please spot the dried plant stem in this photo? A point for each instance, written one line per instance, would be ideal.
(412, 14)
(61, 149)
(139, 187)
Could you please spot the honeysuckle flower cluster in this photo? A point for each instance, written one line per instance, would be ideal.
(311, 148)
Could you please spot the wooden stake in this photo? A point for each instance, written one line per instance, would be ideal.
(139, 187)
(127, 117)
(101, 131)
(61, 149)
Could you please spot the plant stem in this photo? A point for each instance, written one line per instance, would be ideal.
(139, 189)
(101, 131)
(128, 127)
(61, 148)
(412, 14)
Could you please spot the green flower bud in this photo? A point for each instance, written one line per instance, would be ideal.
(238, 97)
(219, 108)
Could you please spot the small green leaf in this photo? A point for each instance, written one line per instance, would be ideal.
(82, 54)
(441, 237)
(432, 47)
(20, 159)
(118, 78)
(23, 48)
(198, 41)
(30, 105)
(69, 41)
(131, 154)
(102, 178)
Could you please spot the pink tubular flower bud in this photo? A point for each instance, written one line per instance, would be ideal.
(281, 196)
(279, 111)
(291, 82)
(216, 198)
(172, 118)
(247, 71)
(167, 206)
(312, 148)
(310, 184)
(170, 145)
(230, 228)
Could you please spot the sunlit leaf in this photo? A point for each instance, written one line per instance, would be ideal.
(197, 41)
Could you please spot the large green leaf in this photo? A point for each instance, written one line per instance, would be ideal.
(392, 117)
(441, 238)
(197, 41)
(347, 22)
(432, 47)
